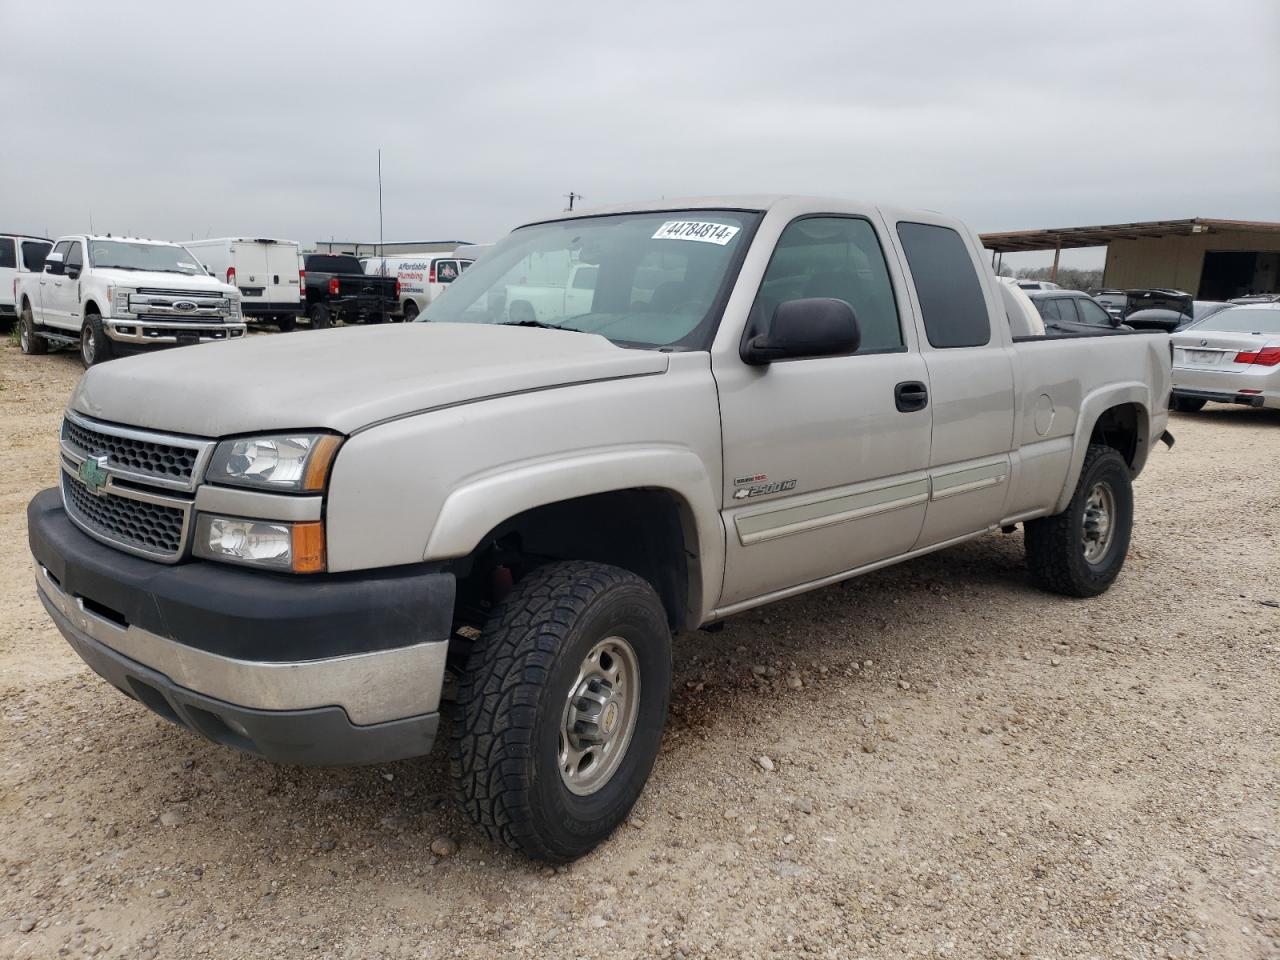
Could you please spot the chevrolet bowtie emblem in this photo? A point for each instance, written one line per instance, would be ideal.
(92, 474)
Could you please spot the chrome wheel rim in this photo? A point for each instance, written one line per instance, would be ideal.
(1099, 522)
(88, 349)
(24, 334)
(599, 716)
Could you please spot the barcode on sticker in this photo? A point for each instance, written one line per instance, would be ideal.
(700, 230)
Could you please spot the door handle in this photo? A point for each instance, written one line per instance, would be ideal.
(911, 396)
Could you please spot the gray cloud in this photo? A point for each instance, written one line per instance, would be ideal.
(173, 120)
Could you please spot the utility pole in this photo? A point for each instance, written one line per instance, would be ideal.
(572, 197)
(381, 249)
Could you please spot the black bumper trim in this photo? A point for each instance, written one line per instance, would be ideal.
(1244, 399)
(245, 614)
(323, 736)
(267, 308)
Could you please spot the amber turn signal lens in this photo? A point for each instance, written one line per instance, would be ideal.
(308, 548)
(319, 462)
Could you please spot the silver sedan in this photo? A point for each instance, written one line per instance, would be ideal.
(1230, 357)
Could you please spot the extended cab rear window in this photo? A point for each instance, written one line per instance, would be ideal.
(951, 301)
(8, 253)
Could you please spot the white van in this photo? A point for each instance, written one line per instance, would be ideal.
(422, 278)
(267, 272)
(18, 254)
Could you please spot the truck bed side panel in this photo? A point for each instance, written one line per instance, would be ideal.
(1063, 386)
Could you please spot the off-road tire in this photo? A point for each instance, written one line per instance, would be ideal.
(506, 720)
(30, 343)
(319, 316)
(286, 323)
(95, 346)
(1055, 548)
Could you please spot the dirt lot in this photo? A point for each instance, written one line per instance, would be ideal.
(963, 767)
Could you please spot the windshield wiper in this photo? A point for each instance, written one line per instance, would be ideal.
(536, 323)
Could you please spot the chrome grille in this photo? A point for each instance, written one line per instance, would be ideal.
(132, 489)
(179, 304)
(148, 528)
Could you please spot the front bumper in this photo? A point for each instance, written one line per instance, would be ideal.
(271, 308)
(141, 333)
(326, 670)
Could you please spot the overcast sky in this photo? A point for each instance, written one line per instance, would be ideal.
(178, 120)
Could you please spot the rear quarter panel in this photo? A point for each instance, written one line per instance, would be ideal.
(1062, 387)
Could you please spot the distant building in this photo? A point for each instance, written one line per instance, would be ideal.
(392, 248)
(1210, 259)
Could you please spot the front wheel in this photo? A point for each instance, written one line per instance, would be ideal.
(1079, 552)
(32, 344)
(95, 345)
(286, 322)
(1186, 405)
(560, 709)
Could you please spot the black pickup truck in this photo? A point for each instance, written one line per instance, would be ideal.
(337, 291)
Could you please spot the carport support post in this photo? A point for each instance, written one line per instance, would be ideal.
(1057, 251)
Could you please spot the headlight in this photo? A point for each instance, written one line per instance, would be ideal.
(288, 547)
(233, 308)
(120, 301)
(291, 463)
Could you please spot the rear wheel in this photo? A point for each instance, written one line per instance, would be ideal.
(31, 343)
(1079, 552)
(560, 709)
(319, 316)
(410, 311)
(287, 322)
(95, 345)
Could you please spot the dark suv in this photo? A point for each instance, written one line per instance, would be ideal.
(1073, 311)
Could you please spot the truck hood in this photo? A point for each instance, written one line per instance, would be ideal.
(347, 378)
(164, 281)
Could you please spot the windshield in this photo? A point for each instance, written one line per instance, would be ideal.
(639, 279)
(1243, 320)
(158, 257)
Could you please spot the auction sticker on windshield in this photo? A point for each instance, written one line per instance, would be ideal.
(703, 232)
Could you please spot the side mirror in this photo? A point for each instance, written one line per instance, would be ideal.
(53, 264)
(812, 327)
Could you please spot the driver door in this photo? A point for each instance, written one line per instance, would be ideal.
(825, 459)
(57, 290)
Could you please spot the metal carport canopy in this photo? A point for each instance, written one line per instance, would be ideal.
(1065, 238)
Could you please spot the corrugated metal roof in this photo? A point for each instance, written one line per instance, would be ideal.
(1068, 237)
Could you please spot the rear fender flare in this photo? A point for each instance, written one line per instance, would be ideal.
(1092, 408)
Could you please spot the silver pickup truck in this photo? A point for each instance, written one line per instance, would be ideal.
(285, 544)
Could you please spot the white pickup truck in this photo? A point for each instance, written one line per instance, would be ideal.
(115, 295)
(289, 552)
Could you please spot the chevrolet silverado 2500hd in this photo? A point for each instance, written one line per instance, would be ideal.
(117, 295)
(812, 389)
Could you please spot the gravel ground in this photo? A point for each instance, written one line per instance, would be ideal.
(957, 766)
